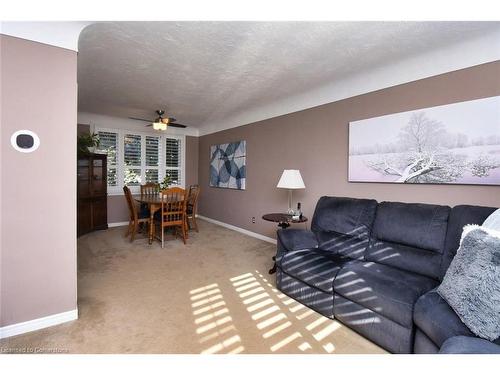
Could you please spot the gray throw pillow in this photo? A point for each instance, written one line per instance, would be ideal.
(471, 286)
(493, 221)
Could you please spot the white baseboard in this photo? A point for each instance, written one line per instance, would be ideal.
(238, 229)
(36, 324)
(222, 224)
(118, 224)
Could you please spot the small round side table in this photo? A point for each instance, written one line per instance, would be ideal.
(284, 221)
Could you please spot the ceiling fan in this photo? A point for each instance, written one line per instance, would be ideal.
(161, 123)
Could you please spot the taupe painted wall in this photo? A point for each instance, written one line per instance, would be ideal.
(316, 142)
(117, 206)
(192, 155)
(38, 190)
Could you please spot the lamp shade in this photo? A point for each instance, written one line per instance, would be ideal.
(291, 179)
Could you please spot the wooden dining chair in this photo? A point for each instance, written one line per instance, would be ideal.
(136, 217)
(173, 212)
(192, 206)
(150, 188)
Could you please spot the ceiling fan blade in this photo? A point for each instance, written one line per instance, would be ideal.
(140, 119)
(175, 125)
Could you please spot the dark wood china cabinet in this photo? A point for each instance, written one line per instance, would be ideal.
(92, 192)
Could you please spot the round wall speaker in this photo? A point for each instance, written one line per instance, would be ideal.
(25, 141)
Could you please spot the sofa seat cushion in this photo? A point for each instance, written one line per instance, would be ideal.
(468, 345)
(313, 268)
(297, 239)
(389, 291)
(382, 331)
(437, 320)
(310, 296)
(351, 246)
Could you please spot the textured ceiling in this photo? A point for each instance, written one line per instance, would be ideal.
(205, 72)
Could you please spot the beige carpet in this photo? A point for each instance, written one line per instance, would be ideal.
(211, 296)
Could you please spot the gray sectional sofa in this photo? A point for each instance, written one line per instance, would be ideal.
(375, 266)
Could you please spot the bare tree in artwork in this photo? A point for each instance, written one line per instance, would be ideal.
(423, 154)
(422, 134)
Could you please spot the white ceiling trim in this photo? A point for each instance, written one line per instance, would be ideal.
(112, 122)
(59, 34)
(458, 56)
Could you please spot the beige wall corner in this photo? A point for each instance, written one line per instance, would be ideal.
(38, 190)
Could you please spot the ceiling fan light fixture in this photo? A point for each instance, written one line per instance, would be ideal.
(160, 122)
(158, 125)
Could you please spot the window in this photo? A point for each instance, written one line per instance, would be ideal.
(173, 160)
(109, 142)
(135, 158)
(152, 159)
(132, 159)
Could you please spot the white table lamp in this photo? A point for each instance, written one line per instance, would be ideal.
(291, 179)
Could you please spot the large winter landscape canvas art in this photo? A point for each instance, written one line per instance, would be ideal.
(450, 144)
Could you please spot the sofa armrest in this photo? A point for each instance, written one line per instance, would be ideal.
(297, 239)
(294, 240)
(434, 317)
(468, 345)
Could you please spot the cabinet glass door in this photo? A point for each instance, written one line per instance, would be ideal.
(83, 177)
(98, 177)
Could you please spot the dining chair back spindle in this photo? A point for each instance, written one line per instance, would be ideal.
(150, 188)
(173, 212)
(192, 206)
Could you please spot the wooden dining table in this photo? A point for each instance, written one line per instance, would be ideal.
(154, 202)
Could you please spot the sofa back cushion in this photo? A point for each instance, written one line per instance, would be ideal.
(409, 236)
(459, 217)
(343, 225)
(343, 215)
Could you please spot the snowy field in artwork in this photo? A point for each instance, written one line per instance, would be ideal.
(455, 144)
(364, 173)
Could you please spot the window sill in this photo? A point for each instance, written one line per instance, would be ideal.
(134, 190)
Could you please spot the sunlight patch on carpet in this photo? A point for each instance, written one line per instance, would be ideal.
(213, 323)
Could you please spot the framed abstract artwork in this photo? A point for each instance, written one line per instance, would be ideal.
(450, 144)
(228, 165)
